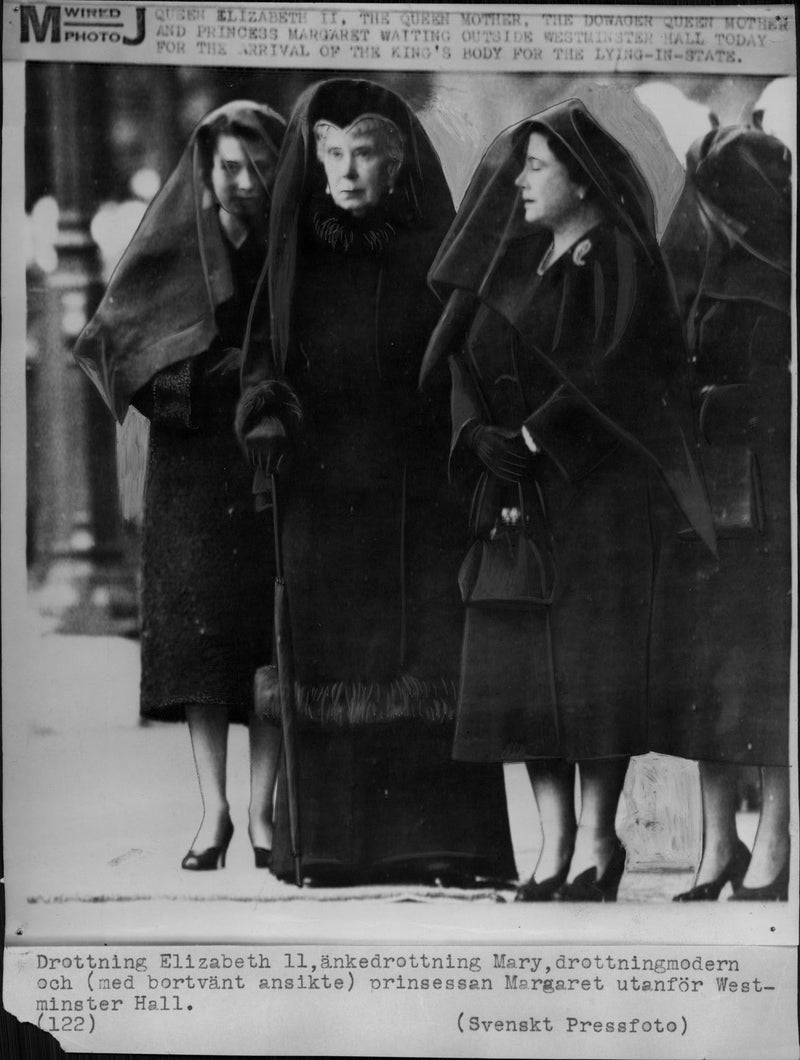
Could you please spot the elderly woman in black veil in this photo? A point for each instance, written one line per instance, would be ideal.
(370, 530)
(724, 636)
(566, 361)
(167, 339)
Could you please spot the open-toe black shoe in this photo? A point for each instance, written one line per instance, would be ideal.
(211, 857)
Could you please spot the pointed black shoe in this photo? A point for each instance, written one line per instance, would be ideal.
(734, 872)
(211, 857)
(544, 891)
(777, 891)
(588, 888)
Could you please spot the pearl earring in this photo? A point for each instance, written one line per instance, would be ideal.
(327, 189)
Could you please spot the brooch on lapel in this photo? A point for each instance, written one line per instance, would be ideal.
(580, 252)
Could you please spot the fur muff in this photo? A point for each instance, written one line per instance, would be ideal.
(270, 398)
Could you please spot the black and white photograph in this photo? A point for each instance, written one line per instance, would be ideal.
(399, 529)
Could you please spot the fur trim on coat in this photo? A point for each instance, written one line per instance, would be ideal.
(342, 704)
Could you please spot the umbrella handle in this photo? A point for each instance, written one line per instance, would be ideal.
(288, 707)
(276, 527)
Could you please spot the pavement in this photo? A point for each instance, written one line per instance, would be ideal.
(99, 809)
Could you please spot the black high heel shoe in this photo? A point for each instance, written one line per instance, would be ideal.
(777, 891)
(543, 891)
(589, 888)
(211, 857)
(734, 872)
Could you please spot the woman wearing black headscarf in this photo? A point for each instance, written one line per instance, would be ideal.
(370, 530)
(725, 635)
(566, 406)
(167, 339)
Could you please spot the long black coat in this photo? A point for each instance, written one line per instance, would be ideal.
(173, 316)
(722, 633)
(372, 533)
(573, 683)
(207, 556)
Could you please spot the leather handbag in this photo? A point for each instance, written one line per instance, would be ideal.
(506, 568)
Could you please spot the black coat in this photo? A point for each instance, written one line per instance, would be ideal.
(586, 355)
(722, 637)
(572, 682)
(167, 337)
(370, 530)
(207, 555)
(372, 533)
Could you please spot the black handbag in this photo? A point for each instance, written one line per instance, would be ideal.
(505, 568)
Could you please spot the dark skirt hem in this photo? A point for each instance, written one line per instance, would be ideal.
(387, 804)
(175, 710)
(445, 868)
(462, 754)
(740, 761)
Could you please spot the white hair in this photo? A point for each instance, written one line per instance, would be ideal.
(385, 130)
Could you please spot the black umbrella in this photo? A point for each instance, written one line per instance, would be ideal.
(285, 662)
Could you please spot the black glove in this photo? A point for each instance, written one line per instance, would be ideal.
(501, 450)
(266, 417)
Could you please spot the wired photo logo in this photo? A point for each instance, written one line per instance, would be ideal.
(58, 24)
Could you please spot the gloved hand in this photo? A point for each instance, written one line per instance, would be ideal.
(266, 445)
(501, 450)
(266, 416)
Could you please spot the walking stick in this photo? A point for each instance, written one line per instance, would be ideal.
(285, 662)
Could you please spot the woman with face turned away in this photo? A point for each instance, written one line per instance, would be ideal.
(566, 359)
(724, 635)
(370, 532)
(167, 339)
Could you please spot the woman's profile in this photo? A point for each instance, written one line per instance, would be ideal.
(566, 361)
(167, 339)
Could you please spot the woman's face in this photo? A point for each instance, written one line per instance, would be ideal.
(549, 196)
(238, 175)
(358, 168)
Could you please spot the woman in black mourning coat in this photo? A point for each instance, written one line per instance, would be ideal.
(724, 635)
(567, 409)
(167, 339)
(371, 534)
